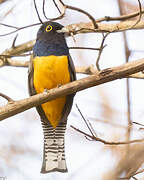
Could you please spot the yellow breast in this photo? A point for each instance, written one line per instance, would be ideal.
(50, 72)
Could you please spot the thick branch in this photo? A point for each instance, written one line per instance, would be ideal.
(117, 27)
(101, 77)
(91, 70)
(25, 47)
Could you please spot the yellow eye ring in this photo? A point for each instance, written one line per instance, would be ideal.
(48, 28)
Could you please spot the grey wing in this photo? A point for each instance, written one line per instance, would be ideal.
(69, 98)
(32, 90)
(71, 69)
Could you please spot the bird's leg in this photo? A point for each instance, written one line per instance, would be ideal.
(58, 85)
(46, 90)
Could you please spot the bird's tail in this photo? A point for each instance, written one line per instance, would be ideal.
(54, 153)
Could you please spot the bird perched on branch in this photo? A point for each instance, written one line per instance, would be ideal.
(50, 67)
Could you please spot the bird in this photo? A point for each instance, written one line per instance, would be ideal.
(52, 66)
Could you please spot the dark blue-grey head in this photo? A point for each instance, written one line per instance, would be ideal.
(50, 41)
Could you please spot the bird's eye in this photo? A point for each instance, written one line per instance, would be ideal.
(48, 28)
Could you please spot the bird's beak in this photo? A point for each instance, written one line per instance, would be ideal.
(63, 30)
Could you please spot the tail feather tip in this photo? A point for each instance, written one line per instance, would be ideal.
(52, 167)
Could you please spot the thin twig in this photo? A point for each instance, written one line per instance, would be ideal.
(138, 123)
(61, 15)
(43, 8)
(82, 11)
(92, 129)
(120, 18)
(56, 18)
(6, 97)
(14, 41)
(140, 13)
(134, 178)
(17, 29)
(138, 172)
(10, 26)
(100, 51)
(88, 48)
(37, 12)
(84, 120)
(107, 142)
(72, 35)
(57, 6)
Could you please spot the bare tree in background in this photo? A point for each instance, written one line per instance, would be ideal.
(129, 152)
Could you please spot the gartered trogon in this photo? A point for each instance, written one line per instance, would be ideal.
(51, 66)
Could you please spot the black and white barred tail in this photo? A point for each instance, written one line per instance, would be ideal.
(54, 153)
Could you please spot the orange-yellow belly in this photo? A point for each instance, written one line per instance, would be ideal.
(49, 72)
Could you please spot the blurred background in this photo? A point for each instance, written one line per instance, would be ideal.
(105, 106)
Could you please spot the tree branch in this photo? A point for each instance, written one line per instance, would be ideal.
(23, 48)
(101, 77)
(6, 97)
(122, 17)
(94, 138)
(117, 27)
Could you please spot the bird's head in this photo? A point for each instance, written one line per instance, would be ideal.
(50, 29)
